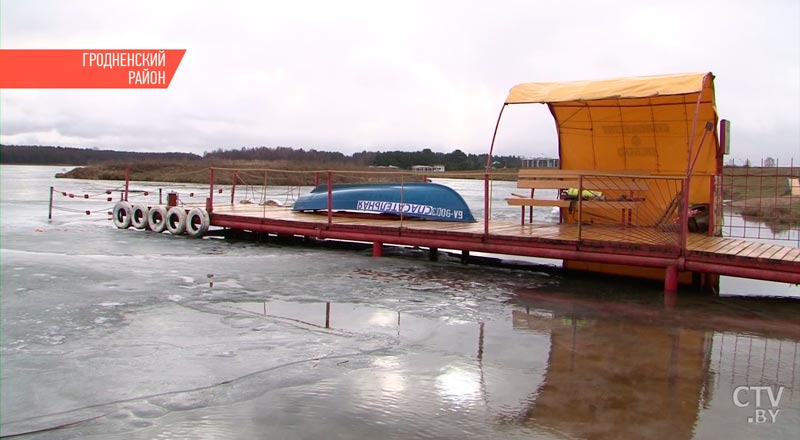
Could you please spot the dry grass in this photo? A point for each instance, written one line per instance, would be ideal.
(781, 211)
(250, 172)
(746, 183)
(763, 194)
(260, 172)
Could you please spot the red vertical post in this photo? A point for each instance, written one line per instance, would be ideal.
(711, 283)
(127, 181)
(486, 206)
(683, 216)
(746, 196)
(233, 186)
(793, 175)
(330, 197)
(684, 213)
(210, 201)
(671, 280)
(316, 179)
(402, 195)
(712, 204)
(377, 249)
(761, 194)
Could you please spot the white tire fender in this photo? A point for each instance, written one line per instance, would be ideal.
(176, 220)
(139, 216)
(197, 222)
(157, 219)
(122, 215)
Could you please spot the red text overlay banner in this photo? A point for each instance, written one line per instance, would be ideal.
(88, 68)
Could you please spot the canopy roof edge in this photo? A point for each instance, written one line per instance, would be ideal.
(621, 88)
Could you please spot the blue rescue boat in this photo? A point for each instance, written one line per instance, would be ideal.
(430, 201)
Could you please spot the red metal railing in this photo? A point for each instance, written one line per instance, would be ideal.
(647, 223)
(760, 202)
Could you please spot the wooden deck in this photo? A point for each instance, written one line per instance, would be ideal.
(643, 246)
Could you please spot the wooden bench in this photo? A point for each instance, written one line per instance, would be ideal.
(629, 182)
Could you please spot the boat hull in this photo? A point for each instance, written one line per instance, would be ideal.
(430, 201)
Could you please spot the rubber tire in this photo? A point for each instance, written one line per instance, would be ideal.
(176, 220)
(153, 223)
(139, 215)
(122, 215)
(202, 219)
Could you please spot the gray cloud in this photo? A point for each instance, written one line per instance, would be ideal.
(357, 75)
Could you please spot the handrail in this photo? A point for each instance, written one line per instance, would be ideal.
(554, 174)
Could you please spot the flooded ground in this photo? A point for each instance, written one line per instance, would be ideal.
(124, 334)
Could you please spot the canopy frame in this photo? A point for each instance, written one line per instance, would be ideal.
(621, 94)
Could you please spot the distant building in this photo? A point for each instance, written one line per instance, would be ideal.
(428, 168)
(769, 163)
(541, 162)
(794, 183)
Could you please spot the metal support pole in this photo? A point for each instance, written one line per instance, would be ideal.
(328, 314)
(671, 280)
(494, 137)
(159, 197)
(210, 201)
(486, 206)
(50, 212)
(530, 211)
(330, 198)
(377, 249)
(264, 193)
(233, 186)
(127, 181)
(402, 195)
(684, 215)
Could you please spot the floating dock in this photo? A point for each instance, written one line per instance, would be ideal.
(619, 245)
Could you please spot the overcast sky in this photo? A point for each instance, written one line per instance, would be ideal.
(380, 75)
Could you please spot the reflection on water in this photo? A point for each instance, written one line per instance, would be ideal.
(736, 224)
(618, 370)
(614, 369)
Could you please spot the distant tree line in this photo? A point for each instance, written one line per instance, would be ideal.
(36, 155)
(456, 160)
(453, 161)
(277, 153)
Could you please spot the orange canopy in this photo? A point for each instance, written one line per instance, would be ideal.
(641, 123)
